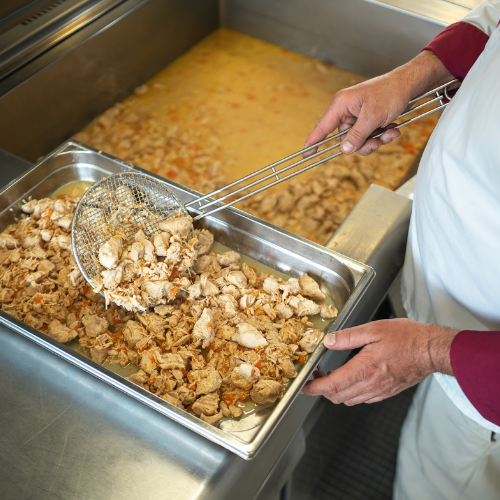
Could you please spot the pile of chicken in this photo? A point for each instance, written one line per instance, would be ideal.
(226, 333)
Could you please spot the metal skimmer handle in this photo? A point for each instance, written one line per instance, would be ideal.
(253, 180)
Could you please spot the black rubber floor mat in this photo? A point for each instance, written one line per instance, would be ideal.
(351, 452)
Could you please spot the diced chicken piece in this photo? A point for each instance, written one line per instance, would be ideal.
(328, 311)
(65, 222)
(37, 252)
(60, 332)
(207, 380)
(249, 272)
(45, 266)
(161, 243)
(135, 251)
(149, 360)
(208, 288)
(270, 285)
(229, 304)
(310, 340)
(171, 361)
(75, 277)
(181, 226)
(283, 311)
(29, 207)
(94, 325)
(303, 307)
(133, 332)
(205, 242)
(287, 368)
(310, 288)
(247, 301)
(140, 378)
(249, 336)
(112, 277)
(140, 236)
(98, 353)
(213, 420)
(164, 310)
(203, 331)
(266, 391)
(62, 206)
(173, 254)
(206, 405)
(41, 207)
(149, 252)
(8, 241)
(110, 252)
(64, 241)
(6, 295)
(232, 290)
(173, 400)
(269, 310)
(228, 258)
(244, 376)
(123, 196)
(158, 289)
(186, 395)
(153, 323)
(33, 240)
(237, 278)
(291, 287)
(46, 234)
(35, 277)
(206, 264)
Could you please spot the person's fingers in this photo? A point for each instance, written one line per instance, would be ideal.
(352, 338)
(340, 380)
(364, 126)
(318, 374)
(373, 144)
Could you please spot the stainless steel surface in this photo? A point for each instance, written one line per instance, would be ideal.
(67, 435)
(59, 92)
(136, 202)
(28, 40)
(368, 38)
(441, 93)
(375, 232)
(343, 279)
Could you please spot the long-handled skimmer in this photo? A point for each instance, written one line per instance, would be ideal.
(122, 204)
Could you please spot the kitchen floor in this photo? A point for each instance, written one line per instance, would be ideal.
(351, 451)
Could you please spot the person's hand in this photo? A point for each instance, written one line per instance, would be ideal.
(396, 354)
(376, 103)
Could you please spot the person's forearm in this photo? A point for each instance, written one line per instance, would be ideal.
(421, 74)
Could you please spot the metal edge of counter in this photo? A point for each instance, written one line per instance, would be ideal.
(72, 83)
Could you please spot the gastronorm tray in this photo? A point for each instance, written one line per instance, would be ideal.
(341, 278)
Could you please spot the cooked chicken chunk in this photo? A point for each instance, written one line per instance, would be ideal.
(228, 258)
(329, 312)
(94, 325)
(8, 241)
(60, 332)
(203, 331)
(270, 285)
(266, 391)
(110, 252)
(310, 340)
(283, 311)
(206, 381)
(291, 287)
(205, 242)
(213, 420)
(181, 226)
(303, 307)
(244, 376)
(237, 278)
(249, 336)
(310, 288)
(133, 332)
(206, 405)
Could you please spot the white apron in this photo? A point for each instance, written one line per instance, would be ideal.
(451, 274)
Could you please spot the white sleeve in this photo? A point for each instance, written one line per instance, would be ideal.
(485, 16)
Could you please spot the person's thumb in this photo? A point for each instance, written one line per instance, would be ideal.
(350, 338)
(360, 131)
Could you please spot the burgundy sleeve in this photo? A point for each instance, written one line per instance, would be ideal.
(458, 46)
(475, 359)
